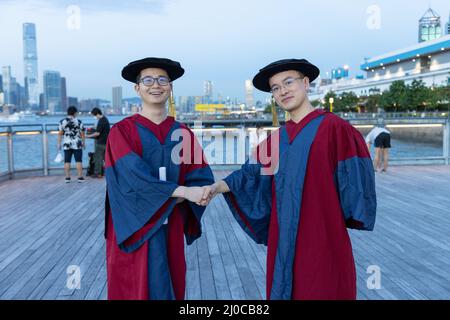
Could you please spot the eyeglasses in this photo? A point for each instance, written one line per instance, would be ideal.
(288, 83)
(149, 81)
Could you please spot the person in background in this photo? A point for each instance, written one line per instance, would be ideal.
(101, 136)
(72, 130)
(381, 138)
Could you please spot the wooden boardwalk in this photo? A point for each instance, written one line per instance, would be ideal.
(47, 226)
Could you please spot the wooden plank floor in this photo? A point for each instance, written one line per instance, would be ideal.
(47, 226)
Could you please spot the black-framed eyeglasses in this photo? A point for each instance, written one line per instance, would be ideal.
(149, 81)
(288, 83)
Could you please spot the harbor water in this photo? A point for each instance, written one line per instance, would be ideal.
(28, 148)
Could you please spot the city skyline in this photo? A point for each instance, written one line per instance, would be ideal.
(225, 49)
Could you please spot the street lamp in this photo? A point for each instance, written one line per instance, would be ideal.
(331, 101)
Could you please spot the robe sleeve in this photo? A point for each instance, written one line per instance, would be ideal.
(250, 196)
(135, 196)
(195, 173)
(354, 178)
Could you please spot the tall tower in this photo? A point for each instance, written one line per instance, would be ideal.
(208, 91)
(117, 100)
(429, 26)
(30, 64)
(64, 100)
(249, 94)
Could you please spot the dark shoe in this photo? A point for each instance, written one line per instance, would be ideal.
(81, 180)
(67, 179)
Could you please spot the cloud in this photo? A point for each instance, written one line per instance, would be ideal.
(97, 6)
(225, 41)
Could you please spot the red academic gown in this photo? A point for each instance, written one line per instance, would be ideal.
(323, 184)
(145, 255)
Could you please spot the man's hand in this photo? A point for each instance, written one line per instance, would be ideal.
(200, 195)
(194, 194)
(209, 192)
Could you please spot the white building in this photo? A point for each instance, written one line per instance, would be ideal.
(427, 61)
(208, 91)
(249, 102)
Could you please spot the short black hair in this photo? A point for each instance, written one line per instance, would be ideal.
(96, 111)
(72, 110)
(138, 77)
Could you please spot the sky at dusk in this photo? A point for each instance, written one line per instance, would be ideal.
(226, 42)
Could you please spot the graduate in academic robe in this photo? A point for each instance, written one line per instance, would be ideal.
(309, 181)
(153, 164)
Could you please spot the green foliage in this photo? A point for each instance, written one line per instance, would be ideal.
(398, 98)
(419, 95)
(316, 103)
(348, 102)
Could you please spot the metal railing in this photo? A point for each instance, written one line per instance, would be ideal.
(43, 130)
(47, 130)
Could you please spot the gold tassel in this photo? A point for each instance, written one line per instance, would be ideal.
(172, 110)
(287, 117)
(275, 122)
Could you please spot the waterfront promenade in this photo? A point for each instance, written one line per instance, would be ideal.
(47, 226)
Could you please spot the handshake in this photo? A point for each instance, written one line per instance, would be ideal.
(200, 195)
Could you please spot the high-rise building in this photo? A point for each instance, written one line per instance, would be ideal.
(117, 100)
(208, 91)
(197, 99)
(429, 26)
(52, 92)
(72, 101)
(86, 105)
(182, 104)
(21, 96)
(2, 95)
(15, 92)
(64, 101)
(190, 104)
(30, 63)
(249, 94)
(42, 108)
(9, 86)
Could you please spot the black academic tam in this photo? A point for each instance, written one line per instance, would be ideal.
(261, 80)
(173, 68)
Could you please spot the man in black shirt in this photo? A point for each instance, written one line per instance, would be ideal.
(101, 136)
